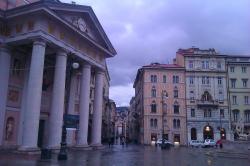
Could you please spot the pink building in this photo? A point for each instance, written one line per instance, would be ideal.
(160, 103)
(9, 4)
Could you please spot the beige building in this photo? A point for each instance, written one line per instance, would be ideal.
(238, 70)
(160, 103)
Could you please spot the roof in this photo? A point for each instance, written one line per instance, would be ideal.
(158, 65)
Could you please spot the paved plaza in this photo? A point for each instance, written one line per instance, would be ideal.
(136, 156)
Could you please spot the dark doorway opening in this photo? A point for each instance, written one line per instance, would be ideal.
(41, 133)
(208, 132)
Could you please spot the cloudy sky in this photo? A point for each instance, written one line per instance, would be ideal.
(145, 31)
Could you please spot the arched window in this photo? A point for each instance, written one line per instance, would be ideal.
(176, 108)
(178, 123)
(235, 115)
(153, 92)
(155, 123)
(193, 134)
(247, 116)
(9, 129)
(175, 92)
(151, 122)
(174, 123)
(206, 96)
(153, 107)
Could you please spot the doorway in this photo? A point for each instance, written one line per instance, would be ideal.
(208, 132)
(41, 133)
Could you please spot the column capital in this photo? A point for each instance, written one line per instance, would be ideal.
(39, 41)
(4, 48)
(62, 52)
(100, 72)
(86, 65)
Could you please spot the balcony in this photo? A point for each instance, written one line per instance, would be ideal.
(207, 104)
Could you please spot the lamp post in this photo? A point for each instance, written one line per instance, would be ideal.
(63, 149)
(163, 96)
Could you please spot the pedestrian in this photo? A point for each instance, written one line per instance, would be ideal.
(109, 142)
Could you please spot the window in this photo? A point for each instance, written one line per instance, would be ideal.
(247, 116)
(191, 64)
(207, 64)
(203, 80)
(175, 93)
(233, 82)
(153, 78)
(234, 99)
(235, 115)
(176, 109)
(165, 108)
(153, 92)
(207, 113)
(191, 95)
(151, 122)
(219, 65)
(191, 80)
(193, 134)
(192, 112)
(246, 100)
(175, 79)
(222, 113)
(243, 69)
(153, 107)
(207, 80)
(221, 97)
(232, 69)
(164, 79)
(155, 123)
(16, 67)
(174, 123)
(219, 81)
(203, 64)
(244, 82)
(178, 123)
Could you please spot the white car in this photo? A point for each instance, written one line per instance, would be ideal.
(195, 143)
(209, 143)
(159, 142)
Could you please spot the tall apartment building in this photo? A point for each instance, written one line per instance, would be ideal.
(239, 91)
(160, 103)
(206, 93)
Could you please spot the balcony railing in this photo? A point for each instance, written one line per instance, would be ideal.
(206, 104)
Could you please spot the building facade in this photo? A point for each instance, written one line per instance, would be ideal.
(206, 93)
(50, 50)
(160, 101)
(239, 92)
(133, 122)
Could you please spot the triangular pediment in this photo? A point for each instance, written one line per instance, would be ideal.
(84, 19)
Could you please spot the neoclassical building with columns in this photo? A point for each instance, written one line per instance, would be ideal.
(39, 42)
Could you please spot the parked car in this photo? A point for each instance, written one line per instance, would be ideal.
(159, 142)
(195, 143)
(209, 143)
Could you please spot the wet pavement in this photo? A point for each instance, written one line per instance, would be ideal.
(135, 155)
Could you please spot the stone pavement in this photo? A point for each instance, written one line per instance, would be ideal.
(133, 155)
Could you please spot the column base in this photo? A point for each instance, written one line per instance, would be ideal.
(97, 146)
(29, 150)
(82, 147)
(54, 149)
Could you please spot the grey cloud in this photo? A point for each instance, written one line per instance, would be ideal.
(148, 31)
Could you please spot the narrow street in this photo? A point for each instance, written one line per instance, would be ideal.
(134, 155)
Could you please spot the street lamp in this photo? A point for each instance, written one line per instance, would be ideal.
(63, 149)
(163, 96)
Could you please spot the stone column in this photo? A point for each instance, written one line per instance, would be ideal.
(34, 94)
(97, 114)
(84, 106)
(57, 106)
(4, 81)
